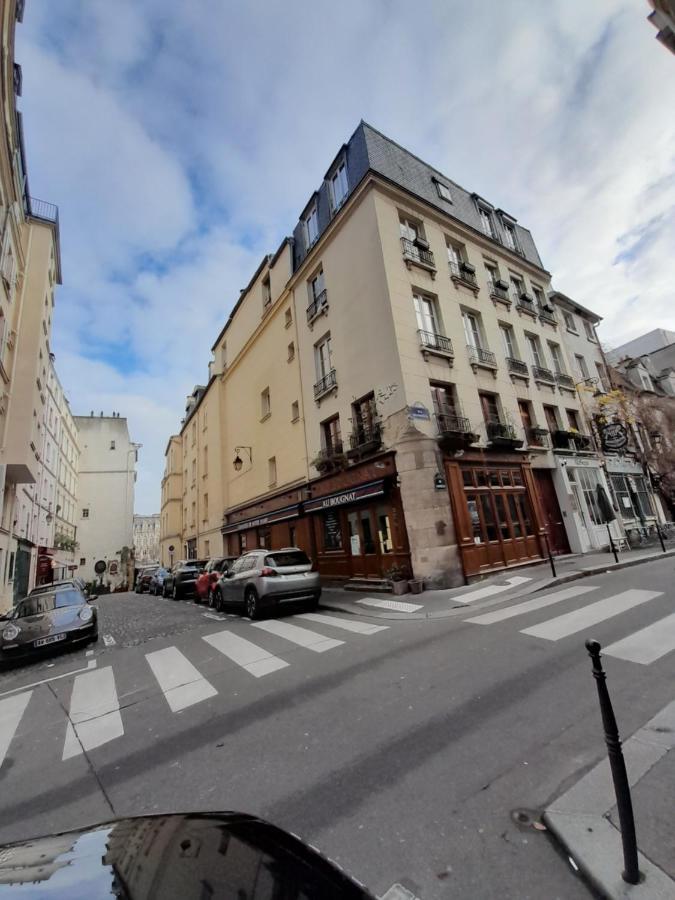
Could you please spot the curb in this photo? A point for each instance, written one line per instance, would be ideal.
(351, 606)
(579, 819)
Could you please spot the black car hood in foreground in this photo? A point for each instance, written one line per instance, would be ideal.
(174, 857)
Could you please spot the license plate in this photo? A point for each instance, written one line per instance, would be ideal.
(52, 639)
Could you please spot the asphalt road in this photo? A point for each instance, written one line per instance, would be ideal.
(404, 753)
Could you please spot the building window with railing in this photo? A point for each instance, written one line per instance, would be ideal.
(556, 356)
(326, 378)
(582, 368)
(312, 226)
(517, 288)
(331, 438)
(318, 296)
(365, 421)
(428, 319)
(414, 245)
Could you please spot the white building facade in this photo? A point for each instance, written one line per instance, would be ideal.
(146, 539)
(105, 515)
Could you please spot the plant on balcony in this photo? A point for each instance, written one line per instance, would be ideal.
(325, 462)
(65, 542)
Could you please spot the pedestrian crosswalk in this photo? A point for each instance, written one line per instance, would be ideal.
(94, 708)
(644, 646)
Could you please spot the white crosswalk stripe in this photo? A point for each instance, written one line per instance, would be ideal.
(249, 656)
(521, 609)
(181, 684)
(94, 713)
(311, 640)
(344, 624)
(11, 711)
(489, 590)
(646, 645)
(572, 622)
(396, 605)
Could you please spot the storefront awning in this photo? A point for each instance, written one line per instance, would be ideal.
(276, 515)
(342, 498)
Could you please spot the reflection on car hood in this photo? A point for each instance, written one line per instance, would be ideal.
(175, 857)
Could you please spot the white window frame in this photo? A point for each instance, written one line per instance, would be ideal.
(339, 179)
(517, 291)
(312, 224)
(590, 331)
(536, 351)
(570, 323)
(509, 235)
(409, 229)
(581, 366)
(473, 330)
(426, 313)
(443, 191)
(509, 341)
(487, 224)
(265, 403)
(323, 355)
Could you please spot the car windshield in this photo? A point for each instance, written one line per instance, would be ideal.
(288, 558)
(47, 602)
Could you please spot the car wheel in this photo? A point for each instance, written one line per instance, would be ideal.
(217, 600)
(251, 604)
(174, 593)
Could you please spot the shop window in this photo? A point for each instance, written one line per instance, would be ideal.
(513, 513)
(501, 517)
(467, 477)
(488, 517)
(588, 480)
(494, 478)
(332, 530)
(643, 496)
(264, 537)
(384, 530)
(291, 535)
(474, 515)
(524, 513)
(354, 534)
(366, 528)
(242, 542)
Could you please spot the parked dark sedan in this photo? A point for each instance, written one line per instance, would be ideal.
(157, 581)
(144, 578)
(47, 621)
(182, 579)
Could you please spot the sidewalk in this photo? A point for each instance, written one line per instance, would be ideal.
(517, 581)
(585, 820)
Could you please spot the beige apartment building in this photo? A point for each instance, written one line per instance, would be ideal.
(395, 389)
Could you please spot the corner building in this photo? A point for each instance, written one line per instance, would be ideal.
(393, 388)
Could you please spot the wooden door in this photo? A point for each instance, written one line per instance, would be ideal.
(550, 508)
(362, 532)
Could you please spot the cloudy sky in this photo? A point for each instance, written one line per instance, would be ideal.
(181, 141)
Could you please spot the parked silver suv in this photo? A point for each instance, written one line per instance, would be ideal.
(264, 579)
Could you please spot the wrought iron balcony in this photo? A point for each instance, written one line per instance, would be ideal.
(517, 366)
(330, 459)
(450, 423)
(526, 304)
(502, 434)
(318, 305)
(572, 440)
(413, 253)
(325, 384)
(539, 373)
(463, 272)
(497, 292)
(564, 380)
(40, 209)
(480, 357)
(435, 343)
(547, 316)
(538, 437)
(365, 439)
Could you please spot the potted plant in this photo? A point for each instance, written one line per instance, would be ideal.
(416, 585)
(396, 576)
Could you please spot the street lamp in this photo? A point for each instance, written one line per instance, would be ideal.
(238, 461)
(593, 382)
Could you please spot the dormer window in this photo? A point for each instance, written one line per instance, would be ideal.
(486, 223)
(338, 185)
(509, 236)
(312, 226)
(443, 190)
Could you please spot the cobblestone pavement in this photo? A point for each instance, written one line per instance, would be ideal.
(133, 619)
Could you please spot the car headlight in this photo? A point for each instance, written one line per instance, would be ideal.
(11, 632)
(86, 614)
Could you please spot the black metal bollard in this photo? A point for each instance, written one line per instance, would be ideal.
(631, 873)
(611, 545)
(658, 531)
(550, 555)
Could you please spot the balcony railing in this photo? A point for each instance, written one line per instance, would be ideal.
(365, 439)
(498, 292)
(317, 305)
(526, 304)
(437, 343)
(501, 431)
(325, 384)
(417, 254)
(564, 380)
(40, 209)
(572, 440)
(547, 316)
(450, 423)
(539, 373)
(463, 272)
(330, 459)
(538, 437)
(480, 357)
(517, 366)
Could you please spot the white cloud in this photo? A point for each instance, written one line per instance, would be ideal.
(182, 140)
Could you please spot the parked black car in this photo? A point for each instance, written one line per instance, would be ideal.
(46, 621)
(144, 578)
(182, 579)
(71, 583)
(157, 581)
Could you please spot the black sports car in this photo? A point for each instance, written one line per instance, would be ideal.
(44, 621)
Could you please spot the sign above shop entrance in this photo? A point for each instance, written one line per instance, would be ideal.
(614, 436)
(362, 492)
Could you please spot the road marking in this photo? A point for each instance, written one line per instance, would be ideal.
(214, 616)
(11, 711)
(646, 645)
(249, 656)
(108, 640)
(89, 653)
(397, 605)
(490, 590)
(181, 684)
(529, 605)
(24, 687)
(344, 624)
(301, 636)
(571, 622)
(94, 713)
